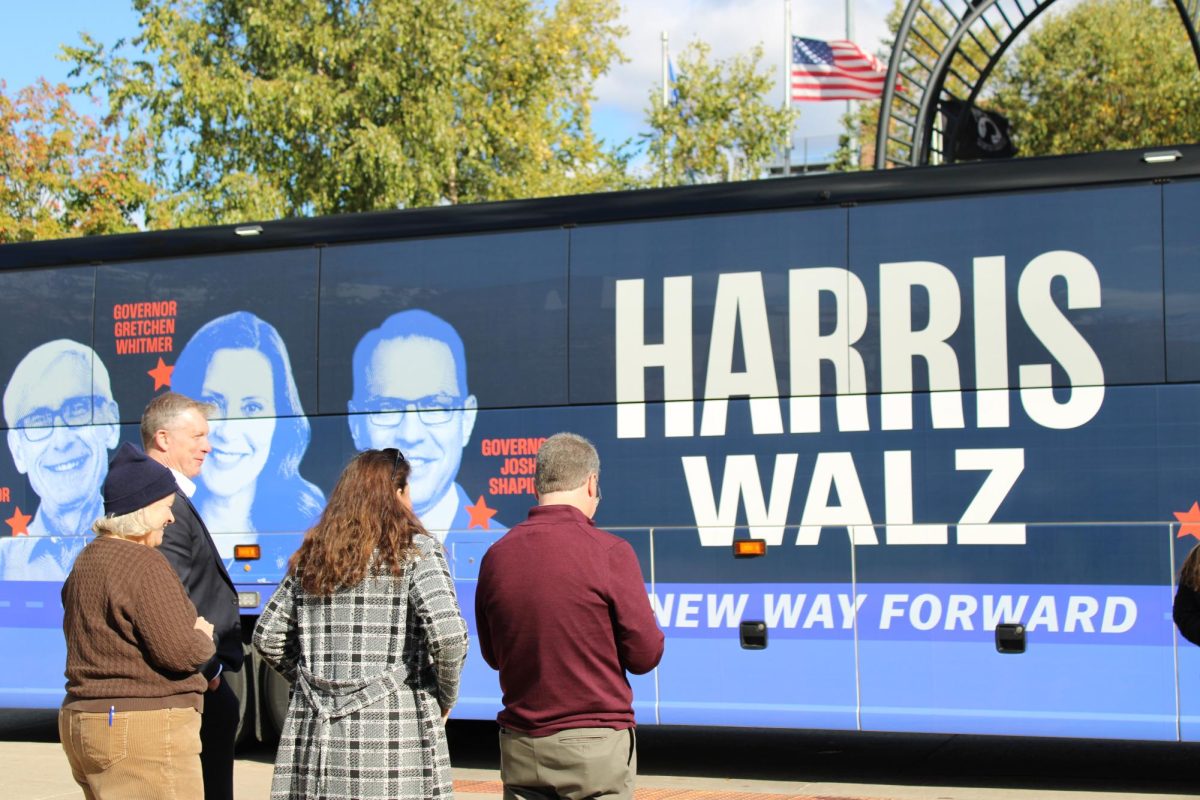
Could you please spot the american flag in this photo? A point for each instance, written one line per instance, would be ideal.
(835, 70)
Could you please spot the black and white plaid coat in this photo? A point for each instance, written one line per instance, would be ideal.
(371, 669)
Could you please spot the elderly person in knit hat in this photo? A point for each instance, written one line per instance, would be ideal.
(130, 723)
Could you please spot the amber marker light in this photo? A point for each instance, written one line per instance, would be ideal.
(749, 548)
(247, 552)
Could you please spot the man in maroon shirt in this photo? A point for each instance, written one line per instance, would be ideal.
(562, 612)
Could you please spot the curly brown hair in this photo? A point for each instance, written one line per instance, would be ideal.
(1189, 574)
(364, 526)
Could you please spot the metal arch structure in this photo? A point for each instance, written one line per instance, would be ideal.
(941, 42)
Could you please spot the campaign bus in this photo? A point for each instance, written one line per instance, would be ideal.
(951, 413)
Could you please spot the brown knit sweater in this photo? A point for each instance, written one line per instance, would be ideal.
(130, 636)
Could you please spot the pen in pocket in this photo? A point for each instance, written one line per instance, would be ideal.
(111, 709)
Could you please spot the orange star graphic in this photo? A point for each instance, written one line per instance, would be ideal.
(19, 523)
(481, 515)
(161, 375)
(1190, 520)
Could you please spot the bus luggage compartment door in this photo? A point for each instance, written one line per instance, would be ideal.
(802, 676)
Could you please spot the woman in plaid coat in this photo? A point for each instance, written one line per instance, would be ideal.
(367, 627)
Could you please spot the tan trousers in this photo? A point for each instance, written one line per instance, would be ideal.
(142, 754)
(576, 764)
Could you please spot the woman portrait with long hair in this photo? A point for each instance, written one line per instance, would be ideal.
(367, 627)
(251, 480)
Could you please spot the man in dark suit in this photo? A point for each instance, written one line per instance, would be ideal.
(175, 434)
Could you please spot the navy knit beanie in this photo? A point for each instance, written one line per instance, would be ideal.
(134, 481)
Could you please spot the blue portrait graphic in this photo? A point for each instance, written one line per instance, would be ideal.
(62, 422)
(251, 480)
(410, 392)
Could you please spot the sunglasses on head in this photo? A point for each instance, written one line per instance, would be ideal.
(400, 459)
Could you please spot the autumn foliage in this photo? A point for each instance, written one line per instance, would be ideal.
(63, 173)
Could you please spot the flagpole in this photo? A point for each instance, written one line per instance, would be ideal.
(787, 83)
(850, 103)
(665, 76)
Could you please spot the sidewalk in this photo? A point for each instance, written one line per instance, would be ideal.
(38, 771)
(747, 764)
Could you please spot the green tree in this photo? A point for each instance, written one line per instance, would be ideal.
(63, 173)
(270, 108)
(1104, 75)
(718, 126)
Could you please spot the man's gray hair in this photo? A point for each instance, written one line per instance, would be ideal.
(564, 462)
(162, 411)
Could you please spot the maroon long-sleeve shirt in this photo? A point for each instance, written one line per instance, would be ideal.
(562, 613)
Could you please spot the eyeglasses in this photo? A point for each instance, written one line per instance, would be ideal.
(434, 409)
(39, 424)
(597, 488)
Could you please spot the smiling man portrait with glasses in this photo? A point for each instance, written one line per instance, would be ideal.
(410, 392)
(62, 422)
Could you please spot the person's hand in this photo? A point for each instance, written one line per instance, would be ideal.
(214, 683)
(204, 626)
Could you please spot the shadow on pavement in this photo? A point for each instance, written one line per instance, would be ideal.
(881, 758)
(996, 762)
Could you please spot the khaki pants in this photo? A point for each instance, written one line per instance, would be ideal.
(142, 754)
(574, 764)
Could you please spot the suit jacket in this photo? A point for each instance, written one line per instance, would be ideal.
(191, 551)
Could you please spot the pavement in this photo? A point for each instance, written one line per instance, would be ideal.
(746, 764)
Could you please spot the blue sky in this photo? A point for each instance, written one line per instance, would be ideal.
(33, 32)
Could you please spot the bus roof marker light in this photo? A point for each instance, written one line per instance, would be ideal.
(749, 548)
(247, 230)
(1161, 156)
(247, 552)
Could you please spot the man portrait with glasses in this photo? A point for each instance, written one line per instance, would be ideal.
(62, 421)
(410, 392)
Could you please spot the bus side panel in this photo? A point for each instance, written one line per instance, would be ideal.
(1098, 661)
(1071, 690)
(1094, 597)
(31, 639)
(803, 678)
(46, 365)
(714, 300)
(1189, 690)
(1180, 429)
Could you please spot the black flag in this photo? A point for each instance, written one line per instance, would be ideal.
(972, 133)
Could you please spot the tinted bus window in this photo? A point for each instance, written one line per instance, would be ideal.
(504, 296)
(239, 332)
(1181, 209)
(1081, 272)
(720, 283)
(60, 412)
